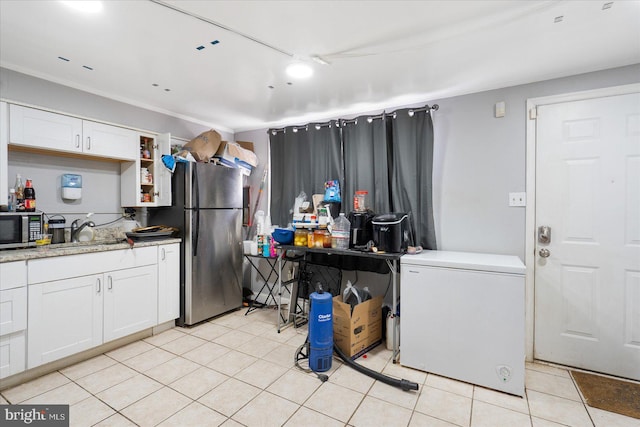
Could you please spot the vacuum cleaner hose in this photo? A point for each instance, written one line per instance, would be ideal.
(405, 385)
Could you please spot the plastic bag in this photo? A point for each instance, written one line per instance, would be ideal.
(332, 191)
(351, 295)
(354, 295)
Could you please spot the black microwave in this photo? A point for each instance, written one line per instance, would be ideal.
(19, 229)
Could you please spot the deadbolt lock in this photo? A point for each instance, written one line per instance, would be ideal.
(544, 234)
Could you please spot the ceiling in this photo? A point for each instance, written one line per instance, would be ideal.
(379, 54)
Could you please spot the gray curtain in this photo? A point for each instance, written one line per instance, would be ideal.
(366, 159)
(390, 156)
(411, 172)
(302, 161)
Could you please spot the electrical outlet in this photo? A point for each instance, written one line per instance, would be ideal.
(517, 199)
(129, 213)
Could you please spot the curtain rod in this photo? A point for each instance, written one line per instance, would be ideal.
(342, 122)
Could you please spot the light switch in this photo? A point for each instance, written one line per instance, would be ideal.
(500, 109)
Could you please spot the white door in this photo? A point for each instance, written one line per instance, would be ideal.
(587, 277)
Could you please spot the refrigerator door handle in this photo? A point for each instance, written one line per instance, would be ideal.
(196, 208)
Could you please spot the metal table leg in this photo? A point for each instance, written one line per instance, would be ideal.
(393, 267)
(270, 288)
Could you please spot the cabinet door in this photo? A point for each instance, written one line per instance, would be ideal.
(65, 317)
(4, 159)
(130, 301)
(13, 275)
(12, 354)
(13, 310)
(168, 282)
(30, 127)
(162, 174)
(109, 141)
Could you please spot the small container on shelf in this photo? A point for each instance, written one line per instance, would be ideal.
(300, 237)
(319, 237)
(311, 239)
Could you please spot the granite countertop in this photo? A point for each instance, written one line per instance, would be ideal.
(61, 249)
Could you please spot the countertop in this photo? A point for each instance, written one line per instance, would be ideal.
(61, 249)
(467, 261)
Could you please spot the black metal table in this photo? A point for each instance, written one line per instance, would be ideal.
(392, 261)
(271, 280)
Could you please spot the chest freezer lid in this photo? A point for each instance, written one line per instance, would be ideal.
(467, 261)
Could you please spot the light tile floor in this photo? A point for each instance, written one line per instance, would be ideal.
(237, 370)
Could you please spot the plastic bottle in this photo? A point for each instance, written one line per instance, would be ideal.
(19, 189)
(340, 232)
(11, 205)
(29, 197)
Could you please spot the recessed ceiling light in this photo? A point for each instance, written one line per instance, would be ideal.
(87, 67)
(607, 5)
(84, 6)
(299, 70)
(558, 19)
(63, 58)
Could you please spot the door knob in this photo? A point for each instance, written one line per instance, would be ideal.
(544, 253)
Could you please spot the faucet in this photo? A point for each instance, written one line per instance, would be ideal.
(76, 229)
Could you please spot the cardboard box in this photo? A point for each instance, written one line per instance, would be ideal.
(237, 152)
(204, 146)
(358, 332)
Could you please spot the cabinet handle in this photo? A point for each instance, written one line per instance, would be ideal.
(110, 282)
(163, 254)
(88, 143)
(99, 285)
(77, 140)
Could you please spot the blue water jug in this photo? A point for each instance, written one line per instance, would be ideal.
(320, 331)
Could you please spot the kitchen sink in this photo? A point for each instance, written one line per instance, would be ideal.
(84, 244)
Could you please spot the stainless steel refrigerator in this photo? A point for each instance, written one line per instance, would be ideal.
(207, 208)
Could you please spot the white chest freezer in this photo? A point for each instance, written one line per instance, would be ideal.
(462, 317)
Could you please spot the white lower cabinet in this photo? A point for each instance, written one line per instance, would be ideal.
(13, 317)
(168, 282)
(130, 301)
(65, 317)
(95, 298)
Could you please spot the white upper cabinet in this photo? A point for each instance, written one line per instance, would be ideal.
(38, 129)
(146, 181)
(108, 141)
